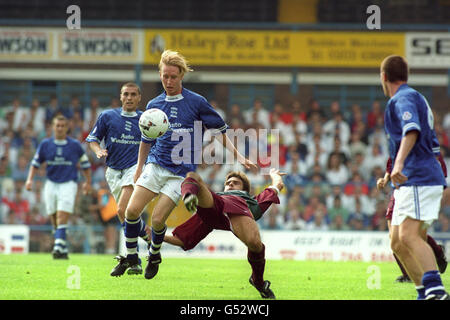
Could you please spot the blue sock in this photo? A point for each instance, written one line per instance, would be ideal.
(157, 240)
(432, 282)
(60, 238)
(131, 231)
(420, 292)
(144, 234)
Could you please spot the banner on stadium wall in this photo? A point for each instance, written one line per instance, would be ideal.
(329, 245)
(224, 47)
(99, 46)
(294, 245)
(274, 48)
(428, 50)
(29, 45)
(87, 45)
(14, 239)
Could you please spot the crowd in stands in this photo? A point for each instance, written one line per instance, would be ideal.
(332, 159)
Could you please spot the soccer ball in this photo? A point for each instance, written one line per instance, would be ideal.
(153, 123)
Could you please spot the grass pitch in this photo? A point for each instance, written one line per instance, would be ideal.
(86, 277)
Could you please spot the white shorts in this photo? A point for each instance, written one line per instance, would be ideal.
(159, 180)
(117, 179)
(417, 202)
(60, 196)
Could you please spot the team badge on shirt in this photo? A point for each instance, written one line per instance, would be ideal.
(406, 115)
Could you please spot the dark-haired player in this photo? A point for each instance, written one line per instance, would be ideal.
(416, 175)
(233, 210)
(118, 129)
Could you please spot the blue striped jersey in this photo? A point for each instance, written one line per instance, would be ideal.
(121, 134)
(179, 150)
(62, 157)
(408, 110)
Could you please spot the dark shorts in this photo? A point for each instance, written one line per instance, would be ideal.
(205, 220)
(390, 208)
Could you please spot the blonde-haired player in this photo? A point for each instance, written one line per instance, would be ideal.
(173, 58)
(170, 157)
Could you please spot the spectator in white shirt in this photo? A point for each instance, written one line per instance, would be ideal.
(337, 172)
(257, 114)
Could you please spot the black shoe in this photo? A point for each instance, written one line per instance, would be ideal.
(265, 291)
(58, 255)
(152, 266)
(403, 278)
(124, 264)
(442, 261)
(135, 268)
(432, 296)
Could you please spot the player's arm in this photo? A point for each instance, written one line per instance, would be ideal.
(382, 182)
(36, 162)
(406, 144)
(86, 172)
(277, 181)
(31, 174)
(144, 149)
(87, 184)
(95, 147)
(212, 120)
(270, 194)
(247, 163)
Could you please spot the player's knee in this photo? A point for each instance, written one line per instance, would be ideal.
(132, 213)
(396, 245)
(158, 222)
(406, 239)
(254, 244)
(121, 212)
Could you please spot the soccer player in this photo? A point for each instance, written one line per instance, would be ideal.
(438, 250)
(62, 155)
(119, 129)
(416, 175)
(232, 210)
(167, 159)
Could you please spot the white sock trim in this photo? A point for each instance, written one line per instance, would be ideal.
(428, 291)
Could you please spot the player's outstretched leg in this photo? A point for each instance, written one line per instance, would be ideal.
(404, 277)
(246, 229)
(439, 253)
(189, 190)
(257, 262)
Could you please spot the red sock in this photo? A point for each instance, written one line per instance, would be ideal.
(189, 185)
(257, 261)
(437, 250)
